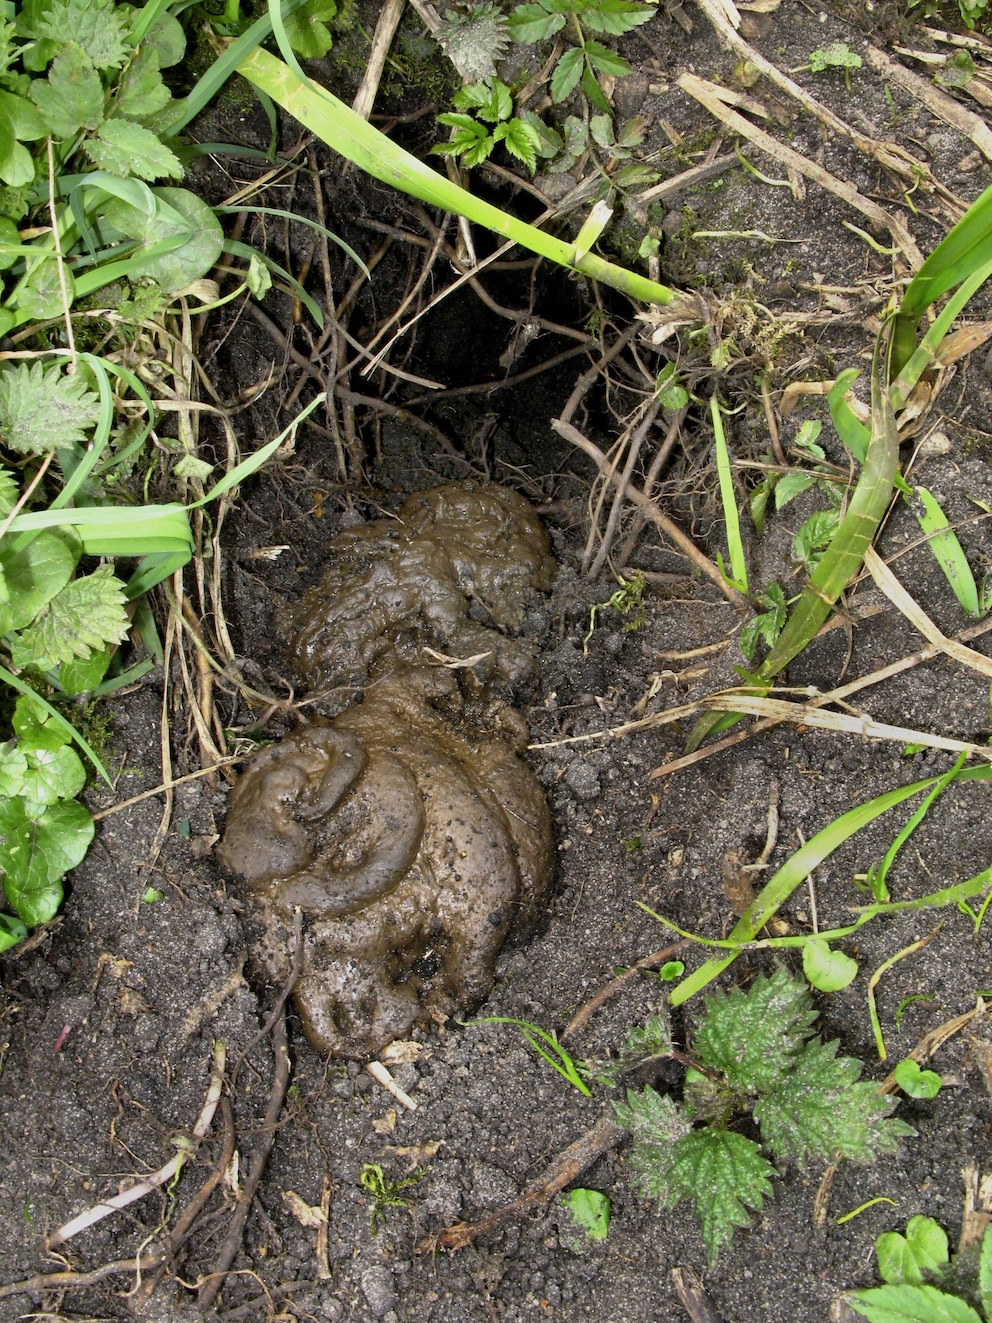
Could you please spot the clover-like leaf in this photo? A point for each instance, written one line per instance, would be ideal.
(923, 1249)
(122, 147)
(84, 616)
(753, 1037)
(72, 97)
(821, 1110)
(44, 409)
(916, 1082)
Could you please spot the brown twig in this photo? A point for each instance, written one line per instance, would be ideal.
(60, 1281)
(695, 1301)
(565, 1168)
(615, 986)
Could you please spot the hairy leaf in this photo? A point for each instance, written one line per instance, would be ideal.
(819, 1110)
(36, 853)
(122, 147)
(95, 25)
(910, 1304)
(87, 614)
(44, 409)
(474, 42)
(724, 1174)
(72, 97)
(753, 1037)
(33, 575)
(905, 1259)
(652, 1118)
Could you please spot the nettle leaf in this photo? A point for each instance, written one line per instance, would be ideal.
(905, 1259)
(531, 23)
(95, 25)
(72, 97)
(474, 42)
(307, 28)
(819, 1110)
(910, 1304)
(520, 141)
(36, 851)
(44, 409)
(53, 774)
(87, 614)
(753, 1037)
(724, 1174)
(122, 147)
(567, 73)
(656, 1124)
(34, 573)
(141, 91)
(605, 61)
(615, 16)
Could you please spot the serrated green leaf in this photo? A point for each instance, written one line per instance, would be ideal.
(520, 141)
(551, 142)
(84, 616)
(72, 97)
(37, 851)
(566, 75)
(814, 537)
(9, 492)
(616, 16)
(910, 1304)
(601, 128)
(753, 1037)
(13, 767)
(791, 484)
(141, 91)
(34, 573)
(591, 89)
(820, 1110)
(307, 28)
(122, 147)
(473, 42)
(724, 1174)
(905, 1259)
(53, 774)
(44, 409)
(531, 23)
(605, 61)
(827, 970)
(94, 25)
(652, 1118)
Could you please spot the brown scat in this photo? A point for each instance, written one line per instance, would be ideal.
(412, 874)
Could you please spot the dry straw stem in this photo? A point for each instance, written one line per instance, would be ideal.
(711, 97)
(918, 618)
(103, 1209)
(937, 101)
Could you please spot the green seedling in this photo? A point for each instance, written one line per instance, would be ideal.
(905, 1263)
(827, 970)
(547, 1046)
(754, 1054)
(737, 578)
(970, 10)
(796, 869)
(916, 1082)
(589, 1212)
(384, 1194)
(671, 970)
(873, 983)
(483, 117)
(767, 625)
(835, 55)
(628, 600)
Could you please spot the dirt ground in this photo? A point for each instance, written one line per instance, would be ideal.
(108, 1023)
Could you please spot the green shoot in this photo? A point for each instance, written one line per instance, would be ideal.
(876, 877)
(628, 600)
(547, 1046)
(873, 983)
(728, 499)
(384, 1194)
(827, 970)
(835, 55)
(904, 1263)
(916, 1082)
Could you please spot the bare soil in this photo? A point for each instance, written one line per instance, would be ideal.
(108, 1022)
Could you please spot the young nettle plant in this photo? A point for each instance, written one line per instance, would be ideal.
(754, 1055)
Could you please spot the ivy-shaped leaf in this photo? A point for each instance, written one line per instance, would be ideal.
(36, 728)
(13, 766)
(34, 573)
(820, 1110)
(307, 28)
(905, 1259)
(122, 147)
(53, 775)
(37, 852)
(72, 97)
(753, 1037)
(95, 25)
(44, 409)
(567, 73)
(87, 614)
(724, 1174)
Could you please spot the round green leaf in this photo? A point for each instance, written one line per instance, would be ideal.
(917, 1083)
(827, 970)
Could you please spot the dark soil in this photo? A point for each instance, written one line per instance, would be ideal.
(109, 1020)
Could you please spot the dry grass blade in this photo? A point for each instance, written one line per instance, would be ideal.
(938, 102)
(709, 95)
(919, 619)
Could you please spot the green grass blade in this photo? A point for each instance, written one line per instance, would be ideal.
(300, 220)
(354, 138)
(728, 499)
(245, 251)
(795, 871)
(947, 551)
(877, 876)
